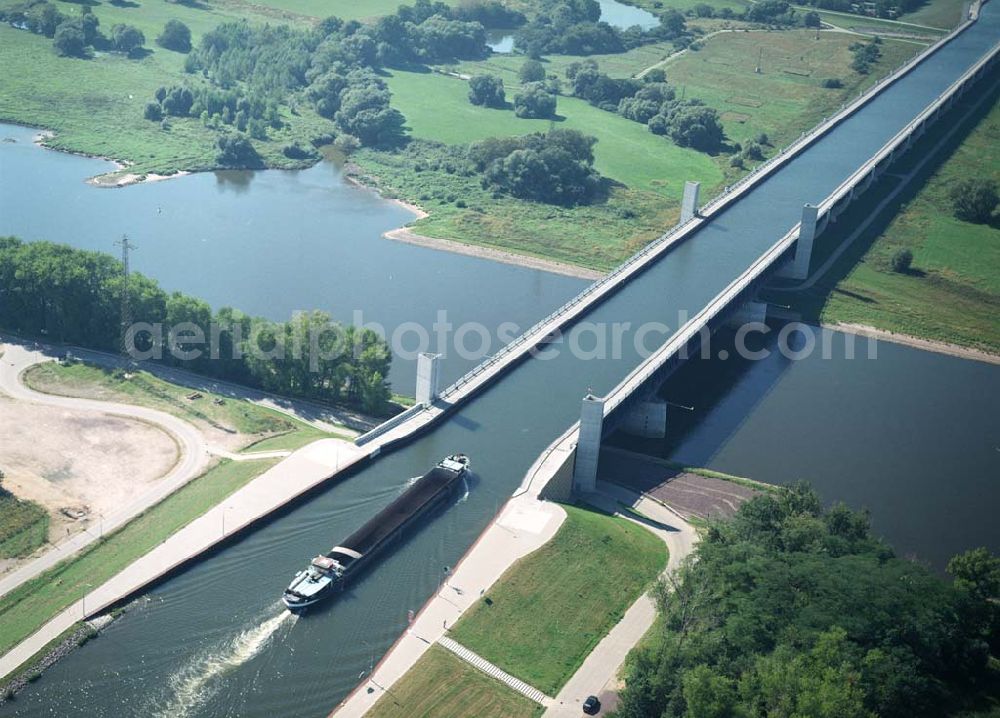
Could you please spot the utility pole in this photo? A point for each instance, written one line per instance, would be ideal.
(760, 61)
(126, 308)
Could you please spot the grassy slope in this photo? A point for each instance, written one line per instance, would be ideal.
(441, 685)
(957, 299)
(937, 13)
(24, 526)
(144, 389)
(28, 607)
(552, 607)
(345, 9)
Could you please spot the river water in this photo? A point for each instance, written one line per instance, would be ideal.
(617, 14)
(911, 435)
(270, 243)
(212, 641)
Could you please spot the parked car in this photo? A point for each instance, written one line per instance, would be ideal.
(592, 706)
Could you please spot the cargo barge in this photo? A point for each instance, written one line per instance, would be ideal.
(328, 574)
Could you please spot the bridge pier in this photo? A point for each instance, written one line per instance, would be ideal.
(647, 420)
(428, 377)
(689, 204)
(798, 268)
(588, 447)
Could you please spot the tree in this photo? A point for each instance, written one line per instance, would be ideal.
(237, 151)
(901, 261)
(365, 113)
(43, 18)
(69, 40)
(153, 111)
(325, 93)
(127, 38)
(812, 19)
(178, 101)
(531, 71)
(534, 101)
(977, 571)
(974, 199)
(487, 90)
(175, 36)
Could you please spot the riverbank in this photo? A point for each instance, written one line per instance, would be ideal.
(405, 234)
(938, 347)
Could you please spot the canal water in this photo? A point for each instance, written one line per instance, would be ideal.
(212, 641)
(271, 243)
(911, 435)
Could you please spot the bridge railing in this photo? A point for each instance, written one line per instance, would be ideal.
(650, 366)
(551, 323)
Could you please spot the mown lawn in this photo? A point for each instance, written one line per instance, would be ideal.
(548, 611)
(24, 526)
(937, 13)
(953, 292)
(874, 25)
(25, 609)
(441, 685)
(145, 389)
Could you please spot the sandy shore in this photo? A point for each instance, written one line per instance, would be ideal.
(954, 350)
(114, 180)
(404, 234)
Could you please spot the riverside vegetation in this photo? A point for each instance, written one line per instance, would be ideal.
(244, 93)
(73, 295)
(791, 609)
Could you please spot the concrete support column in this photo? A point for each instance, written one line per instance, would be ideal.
(428, 375)
(648, 420)
(588, 448)
(689, 204)
(799, 266)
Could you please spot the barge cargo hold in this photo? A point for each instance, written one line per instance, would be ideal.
(328, 574)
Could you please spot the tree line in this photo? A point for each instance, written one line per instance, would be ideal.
(73, 296)
(790, 609)
(74, 36)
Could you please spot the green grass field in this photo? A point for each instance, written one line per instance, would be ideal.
(626, 151)
(25, 609)
(785, 98)
(551, 608)
(954, 293)
(95, 106)
(876, 26)
(144, 389)
(24, 526)
(441, 685)
(937, 13)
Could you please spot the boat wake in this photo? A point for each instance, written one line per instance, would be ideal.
(196, 682)
(465, 492)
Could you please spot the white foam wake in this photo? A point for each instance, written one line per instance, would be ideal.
(196, 682)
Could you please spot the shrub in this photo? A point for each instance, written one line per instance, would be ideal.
(531, 71)
(175, 36)
(833, 83)
(902, 260)
(533, 101)
(487, 90)
(153, 111)
(974, 199)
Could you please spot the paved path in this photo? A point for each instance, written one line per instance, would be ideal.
(598, 674)
(193, 453)
(524, 524)
(490, 669)
(300, 472)
(321, 416)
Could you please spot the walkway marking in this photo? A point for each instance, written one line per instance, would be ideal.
(477, 661)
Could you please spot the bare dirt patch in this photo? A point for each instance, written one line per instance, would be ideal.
(78, 461)
(687, 493)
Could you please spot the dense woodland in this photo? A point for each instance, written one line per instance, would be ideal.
(793, 610)
(73, 296)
